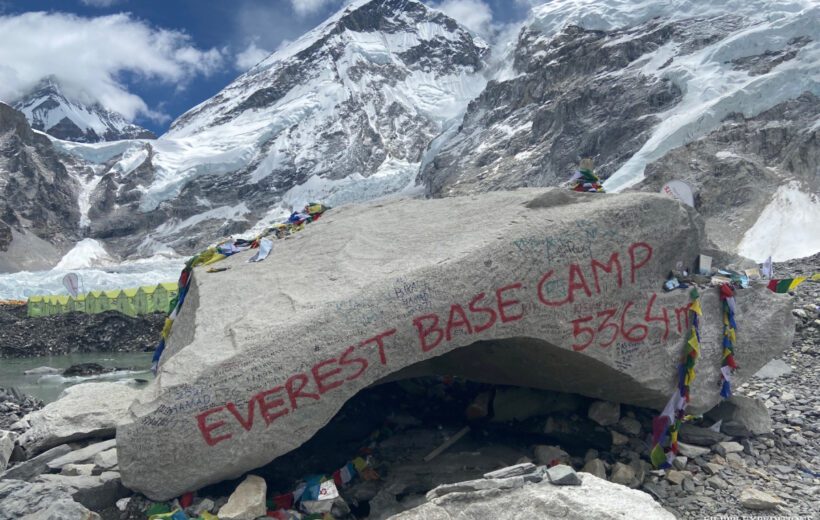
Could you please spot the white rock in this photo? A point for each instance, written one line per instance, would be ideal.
(752, 498)
(83, 411)
(774, 369)
(6, 447)
(247, 502)
(42, 371)
(594, 498)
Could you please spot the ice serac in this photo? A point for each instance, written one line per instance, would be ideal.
(563, 292)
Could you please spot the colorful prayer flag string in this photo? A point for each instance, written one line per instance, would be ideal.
(785, 285)
(666, 426)
(728, 365)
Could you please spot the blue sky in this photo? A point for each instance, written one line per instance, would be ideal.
(152, 60)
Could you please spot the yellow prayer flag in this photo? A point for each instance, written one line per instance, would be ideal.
(695, 307)
(796, 281)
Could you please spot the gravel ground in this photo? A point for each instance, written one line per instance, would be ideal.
(785, 463)
(21, 336)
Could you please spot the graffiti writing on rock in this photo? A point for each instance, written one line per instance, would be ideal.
(575, 290)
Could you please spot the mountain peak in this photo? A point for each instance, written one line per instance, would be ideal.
(48, 109)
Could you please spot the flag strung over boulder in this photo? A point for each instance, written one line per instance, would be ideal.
(728, 365)
(666, 426)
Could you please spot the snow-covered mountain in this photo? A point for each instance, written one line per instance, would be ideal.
(629, 82)
(48, 109)
(393, 97)
(342, 114)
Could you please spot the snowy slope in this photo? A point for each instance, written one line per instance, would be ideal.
(48, 109)
(788, 228)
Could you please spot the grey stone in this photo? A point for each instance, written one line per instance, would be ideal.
(202, 505)
(622, 474)
(83, 454)
(619, 439)
(723, 448)
(74, 470)
(594, 498)
(83, 411)
(717, 482)
(699, 436)
(562, 475)
(519, 404)
(6, 447)
(680, 462)
(512, 471)
(752, 498)
(677, 477)
(590, 454)
(774, 369)
(595, 467)
(247, 502)
(549, 455)
(96, 492)
(605, 413)
(445, 268)
(742, 417)
(40, 501)
(691, 451)
(106, 459)
(33, 467)
(630, 426)
(63, 509)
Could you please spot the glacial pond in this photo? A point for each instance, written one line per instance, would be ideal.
(48, 387)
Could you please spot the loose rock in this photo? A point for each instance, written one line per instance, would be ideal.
(752, 498)
(247, 502)
(562, 475)
(604, 413)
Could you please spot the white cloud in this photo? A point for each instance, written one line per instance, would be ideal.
(88, 56)
(306, 7)
(250, 56)
(475, 15)
(101, 3)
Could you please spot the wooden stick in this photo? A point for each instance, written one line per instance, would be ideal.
(449, 442)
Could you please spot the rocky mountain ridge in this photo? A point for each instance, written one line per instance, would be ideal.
(394, 98)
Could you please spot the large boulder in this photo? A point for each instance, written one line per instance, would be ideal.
(82, 411)
(540, 288)
(40, 501)
(593, 498)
